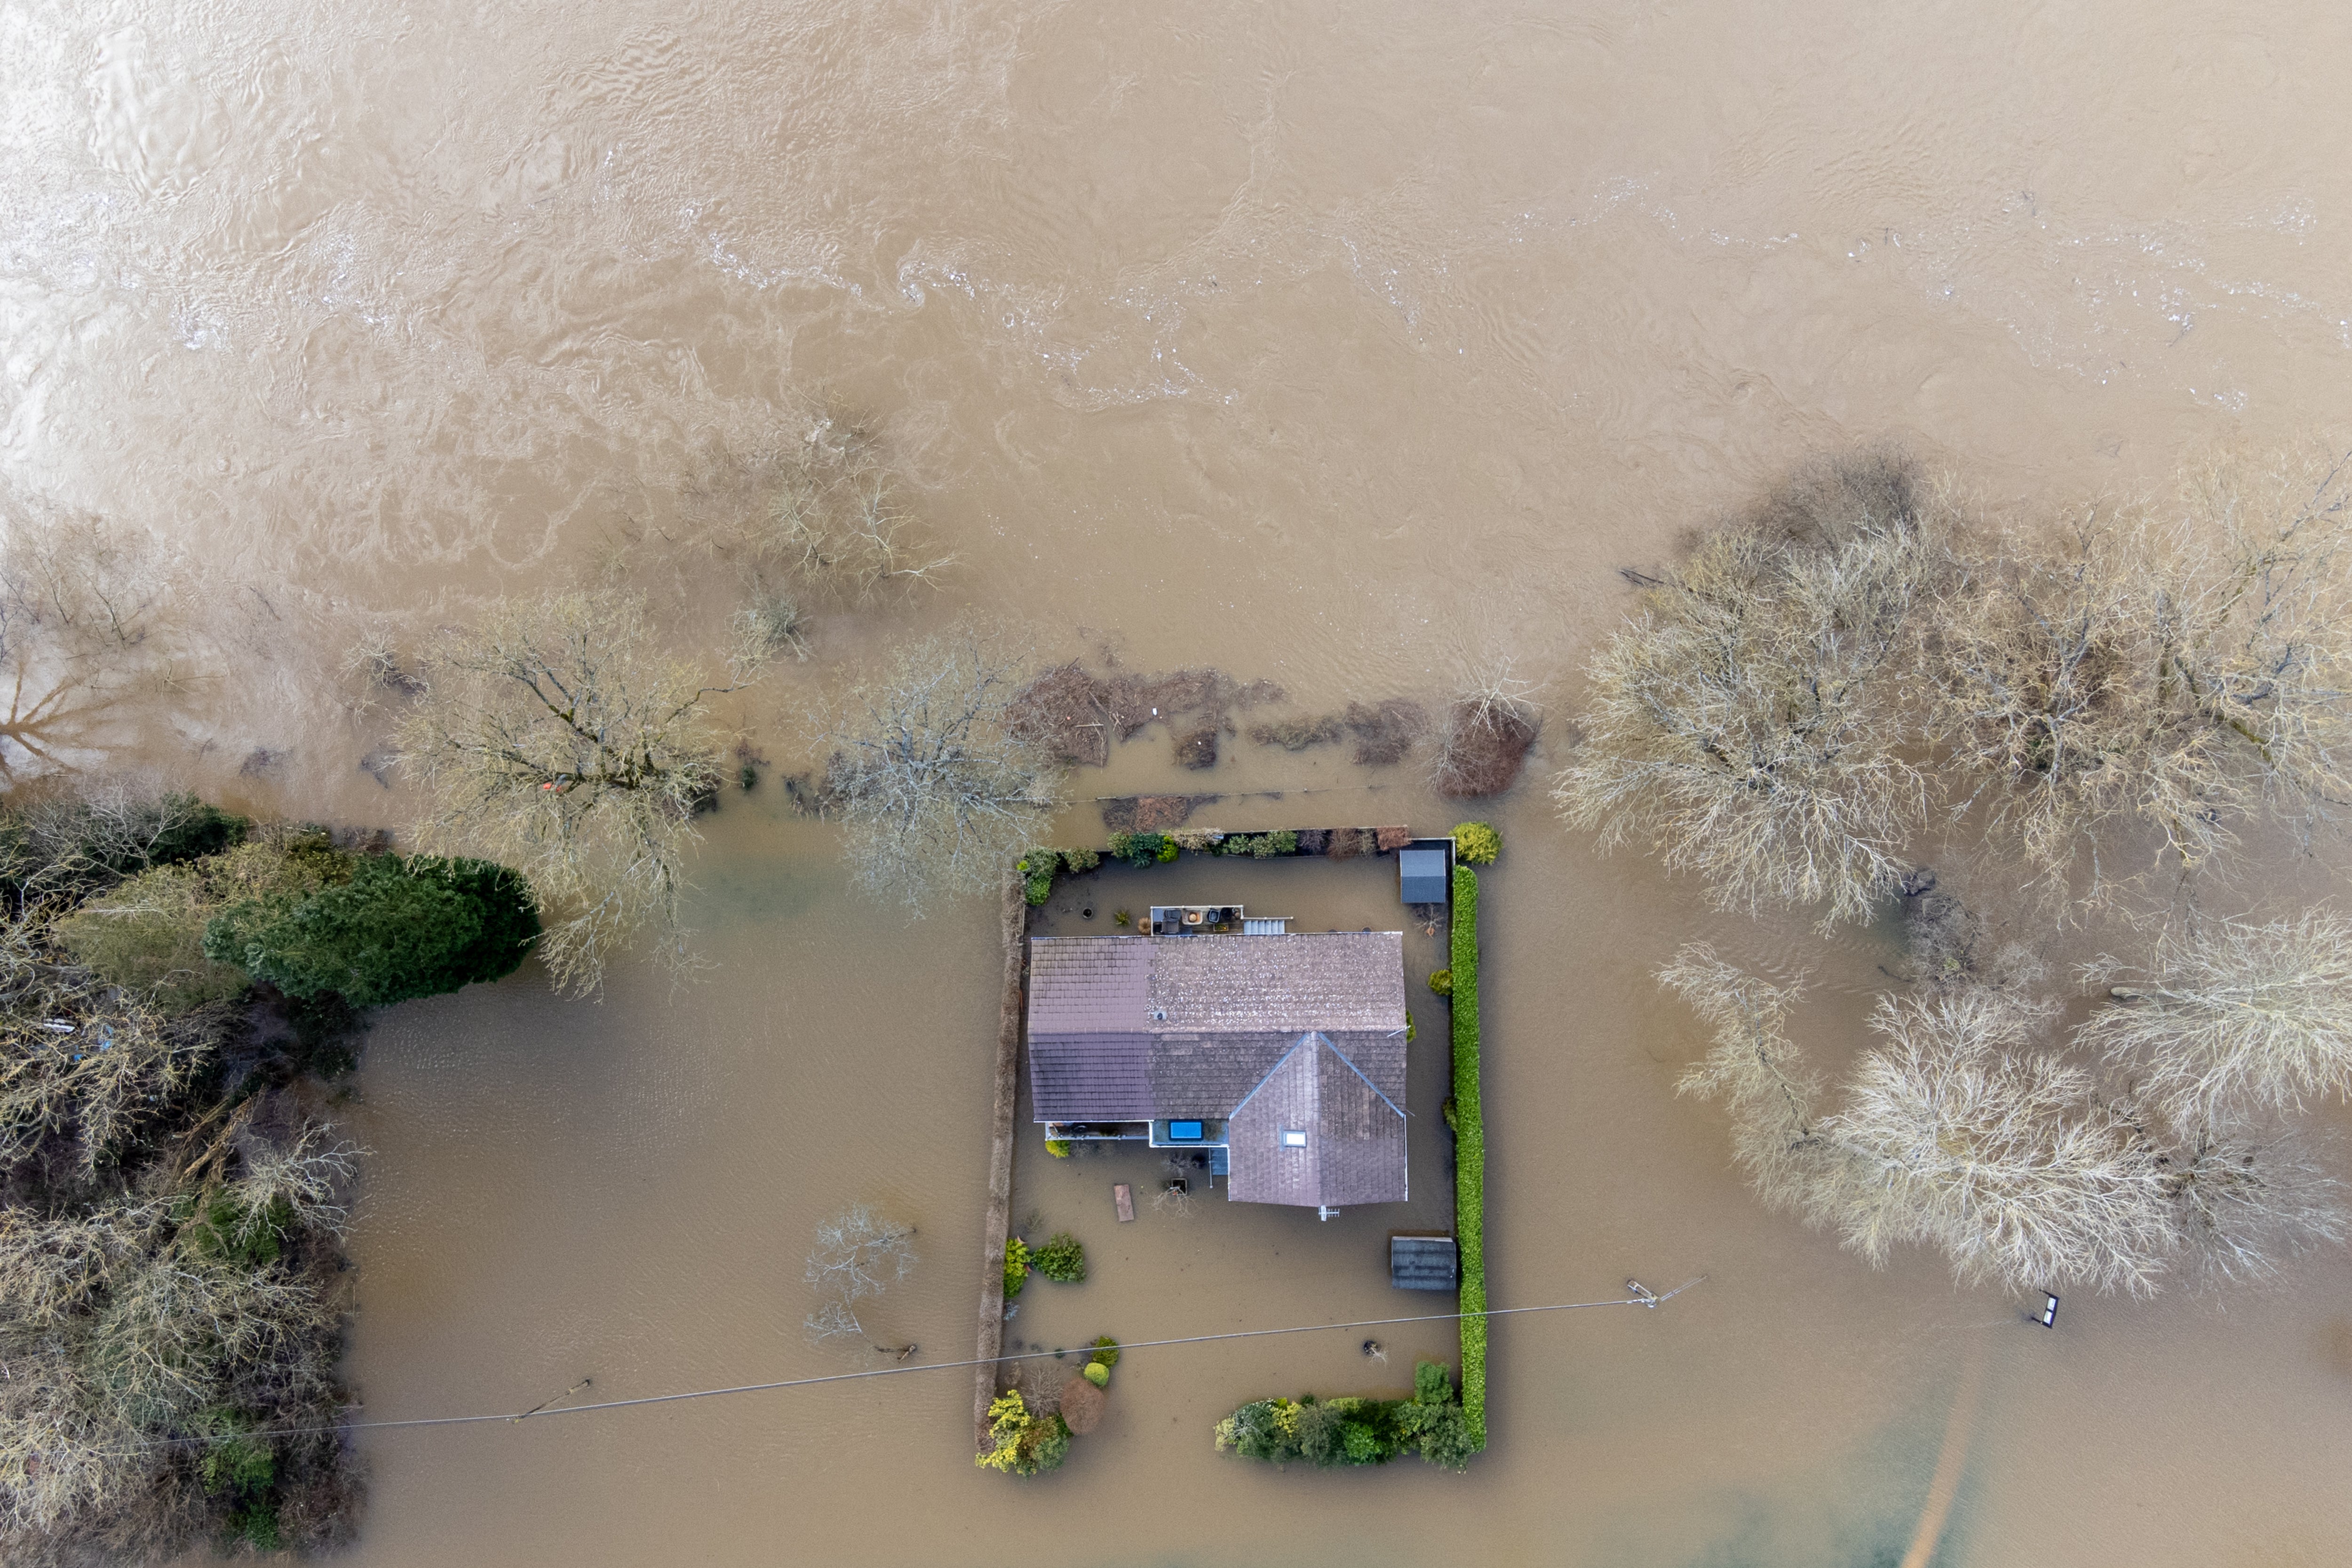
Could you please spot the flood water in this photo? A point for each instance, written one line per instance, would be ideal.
(1343, 347)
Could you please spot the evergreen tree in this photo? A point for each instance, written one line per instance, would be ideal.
(399, 929)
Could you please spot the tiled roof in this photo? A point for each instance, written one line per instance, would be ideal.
(1307, 1026)
(1307, 980)
(1094, 1078)
(1353, 1148)
(1078, 985)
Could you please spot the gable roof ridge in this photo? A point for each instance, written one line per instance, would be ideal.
(1276, 1068)
(1335, 1050)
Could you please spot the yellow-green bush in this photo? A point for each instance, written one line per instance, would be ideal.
(1476, 843)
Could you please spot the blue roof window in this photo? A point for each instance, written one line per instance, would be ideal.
(1184, 1133)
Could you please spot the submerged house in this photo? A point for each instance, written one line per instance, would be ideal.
(1282, 1054)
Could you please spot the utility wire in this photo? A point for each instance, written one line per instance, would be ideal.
(544, 1412)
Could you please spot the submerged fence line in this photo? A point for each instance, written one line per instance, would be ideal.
(1645, 1300)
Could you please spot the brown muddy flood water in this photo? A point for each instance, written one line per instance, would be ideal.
(1331, 346)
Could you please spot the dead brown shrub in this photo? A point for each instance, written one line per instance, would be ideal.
(1385, 731)
(1299, 735)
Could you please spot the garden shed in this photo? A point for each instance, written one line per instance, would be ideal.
(1423, 1262)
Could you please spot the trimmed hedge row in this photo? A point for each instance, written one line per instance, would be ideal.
(1469, 1154)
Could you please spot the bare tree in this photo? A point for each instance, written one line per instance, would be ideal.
(306, 1173)
(2242, 1198)
(1959, 1133)
(1752, 723)
(78, 1060)
(820, 516)
(557, 738)
(938, 792)
(857, 1254)
(835, 520)
(2008, 1159)
(2183, 671)
(2234, 1017)
(85, 616)
(1756, 1070)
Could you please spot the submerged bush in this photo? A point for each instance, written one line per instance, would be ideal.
(1106, 1351)
(1017, 1265)
(1097, 1374)
(1062, 1258)
(1476, 843)
(1442, 981)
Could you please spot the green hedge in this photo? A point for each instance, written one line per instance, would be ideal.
(1469, 1154)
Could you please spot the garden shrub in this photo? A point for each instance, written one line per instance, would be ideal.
(1281, 841)
(1347, 1431)
(1442, 981)
(1476, 843)
(1097, 1374)
(1040, 863)
(1469, 1155)
(1058, 1147)
(1017, 1265)
(1038, 889)
(1025, 1444)
(1062, 1259)
(1140, 849)
(1106, 1351)
(1081, 859)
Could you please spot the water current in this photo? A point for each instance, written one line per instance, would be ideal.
(1345, 347)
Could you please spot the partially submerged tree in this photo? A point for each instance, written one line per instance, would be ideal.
(1961, 1132)
(84, 616)
(2233, 1014)
(1961, 1137)
(1751, 725)
(556, 737)
(1754, 1068)
(820, 517)
(2185, 673)
(857, 1255)
(938, 790)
